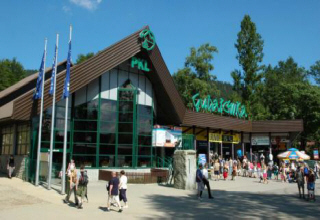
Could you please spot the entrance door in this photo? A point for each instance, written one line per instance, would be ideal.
(126, 151)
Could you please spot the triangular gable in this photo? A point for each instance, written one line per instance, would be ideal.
(167, 96)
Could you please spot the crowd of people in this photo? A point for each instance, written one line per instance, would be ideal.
(289, 171)
(77, 184)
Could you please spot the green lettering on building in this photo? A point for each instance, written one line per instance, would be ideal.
(219, 106)
(141, 64)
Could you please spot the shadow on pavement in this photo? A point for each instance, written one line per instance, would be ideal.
(231, 204)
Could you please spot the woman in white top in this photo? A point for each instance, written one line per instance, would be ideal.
(123, 188)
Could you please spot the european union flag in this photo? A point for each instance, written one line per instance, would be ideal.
(52, 86)
(38, 92)
(66, 87)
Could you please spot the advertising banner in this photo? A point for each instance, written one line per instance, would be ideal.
(163, 137)
(225, 138)
(260, 140)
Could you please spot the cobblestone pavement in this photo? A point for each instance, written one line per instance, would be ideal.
(243, 198)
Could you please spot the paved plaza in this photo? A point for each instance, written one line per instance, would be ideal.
(243, 198)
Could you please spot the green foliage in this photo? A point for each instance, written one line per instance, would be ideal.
(30, 72)
(315, 72)
(196, 75)
(11, 71)
(250, 54)
(83, 57)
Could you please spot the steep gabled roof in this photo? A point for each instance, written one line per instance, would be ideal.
(169, 100)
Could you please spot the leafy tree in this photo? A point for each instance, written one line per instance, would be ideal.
(315, 71)
(250, 55)
(83, 57)
(196, 75)
(11, 71)
(30, 72)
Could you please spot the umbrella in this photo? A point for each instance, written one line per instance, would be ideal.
(293, 154)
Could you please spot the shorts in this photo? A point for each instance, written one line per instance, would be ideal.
(310, 186)
(216, 172)
(200, 186)
(265, 175)
(81, 191)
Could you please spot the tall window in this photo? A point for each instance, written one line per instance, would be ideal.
(7, 140)
(23, 139)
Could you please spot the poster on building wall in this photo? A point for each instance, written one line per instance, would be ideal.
(260, 140)
(316, 154)
(202, 159)
(215, 137)
(165, 137)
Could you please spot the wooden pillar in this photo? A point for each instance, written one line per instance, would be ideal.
(251, 147)
(270, 144)
(208, 143)
(232, 151)
(242, 144)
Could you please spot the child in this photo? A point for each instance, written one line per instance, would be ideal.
(276, 171)
(225, 173)
(311, 184)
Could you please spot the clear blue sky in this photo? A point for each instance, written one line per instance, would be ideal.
(288, 27)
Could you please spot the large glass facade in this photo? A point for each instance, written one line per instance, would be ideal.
(111, 121)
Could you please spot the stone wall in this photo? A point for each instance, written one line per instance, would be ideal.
(184, 166)
(19, 160)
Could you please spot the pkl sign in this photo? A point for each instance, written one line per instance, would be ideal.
(141, 64)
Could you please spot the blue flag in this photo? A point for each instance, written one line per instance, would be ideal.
(66, 87)
(52, 86)
(38, 92)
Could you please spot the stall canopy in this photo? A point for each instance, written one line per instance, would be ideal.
(293, 154)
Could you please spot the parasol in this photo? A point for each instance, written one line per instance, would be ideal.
(293, 154)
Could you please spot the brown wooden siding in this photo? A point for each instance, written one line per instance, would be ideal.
(278, 126)
(216, 121)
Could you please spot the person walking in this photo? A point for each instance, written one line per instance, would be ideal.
(234, 171)
(72, 187)
(199, 181)
(300, 181)
(123, 188)
(83, 181)
(276, 171)
(205, 180)
(311, 185)
(216, 170)
(113, 194)
(10, 166)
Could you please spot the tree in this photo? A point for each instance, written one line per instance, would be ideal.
(196, 75)
(315, 72)
(11, 71)
(83, 57)
(250, 54)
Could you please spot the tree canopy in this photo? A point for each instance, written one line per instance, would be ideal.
(83, 57)
(11, 71)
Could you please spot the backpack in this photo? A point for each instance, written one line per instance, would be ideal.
(83, 181)
(306, 171)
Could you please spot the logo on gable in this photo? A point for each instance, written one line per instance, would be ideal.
(148, 39)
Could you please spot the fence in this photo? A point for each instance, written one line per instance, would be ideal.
(155, 176)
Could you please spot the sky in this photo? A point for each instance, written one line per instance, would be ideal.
(288, 28)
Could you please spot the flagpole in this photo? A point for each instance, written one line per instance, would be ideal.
(41, 114)
(53, 112)
(65, 135)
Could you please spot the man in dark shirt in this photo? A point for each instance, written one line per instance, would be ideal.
(113, 193)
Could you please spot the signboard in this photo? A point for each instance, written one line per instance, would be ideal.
(219, 106)
(260, 140)
(202, 159)
(162, 137)
(141, 64)
(215, 137)
(316, 154)
(226, 138)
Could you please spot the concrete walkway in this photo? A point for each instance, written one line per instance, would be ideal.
(243, 198)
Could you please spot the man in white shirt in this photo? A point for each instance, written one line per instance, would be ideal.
(123, 188)
(205, 180)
